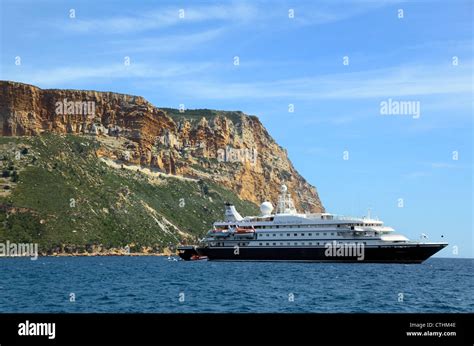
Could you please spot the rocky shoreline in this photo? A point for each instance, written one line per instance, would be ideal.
(69, 251)
(111, 254)
(100, 254)
(87, 251)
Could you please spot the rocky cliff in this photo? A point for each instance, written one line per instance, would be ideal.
(231, 149)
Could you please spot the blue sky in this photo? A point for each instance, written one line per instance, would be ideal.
(285, 61)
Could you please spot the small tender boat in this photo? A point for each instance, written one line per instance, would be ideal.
(198, 258)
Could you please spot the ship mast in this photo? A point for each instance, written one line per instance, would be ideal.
(285, 202)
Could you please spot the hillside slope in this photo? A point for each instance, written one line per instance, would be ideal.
(56, 191)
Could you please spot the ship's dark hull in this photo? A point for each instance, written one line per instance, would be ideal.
(187, 252)
(413, 253)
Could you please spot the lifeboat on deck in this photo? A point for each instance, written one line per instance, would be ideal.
(219, 233)
(241, 232)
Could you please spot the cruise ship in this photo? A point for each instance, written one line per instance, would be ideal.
(287, 235)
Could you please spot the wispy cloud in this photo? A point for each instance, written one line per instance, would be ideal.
(405, 81)
(166, 43)
(57, 76)
(402, 81)
(325, 12)
(432, 167)
(244, 12)
(444, 165)
(416, 175)
(331, 120)
(161, 18)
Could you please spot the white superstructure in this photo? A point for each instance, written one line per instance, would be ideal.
(287, 235)
(287, 227)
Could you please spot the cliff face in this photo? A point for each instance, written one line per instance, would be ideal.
(229, 148)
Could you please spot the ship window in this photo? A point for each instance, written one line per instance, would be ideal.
(274, 234)
(274, 243)
(277, 226)
(311, 234)
(318, 243)
(302, 234)
(267, 243)
(317, 234)
(324, 233)
(296, 234)
(310, 243)
(260, 243)
(332, 233)
(288, 234)
(289, 243)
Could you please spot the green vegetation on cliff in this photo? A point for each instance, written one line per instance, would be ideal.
(195, 115)
(62, 193)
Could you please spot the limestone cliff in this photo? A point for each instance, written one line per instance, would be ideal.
(229, 148)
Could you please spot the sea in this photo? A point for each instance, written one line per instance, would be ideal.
(151, 284)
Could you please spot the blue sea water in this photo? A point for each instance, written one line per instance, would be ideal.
(154, 284)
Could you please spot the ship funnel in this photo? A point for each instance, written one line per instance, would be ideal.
(231, 214)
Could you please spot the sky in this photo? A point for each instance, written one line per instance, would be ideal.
(316, 73)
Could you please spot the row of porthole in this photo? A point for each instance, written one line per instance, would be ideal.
(274, 244)
(303, 243)
(295, 234)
